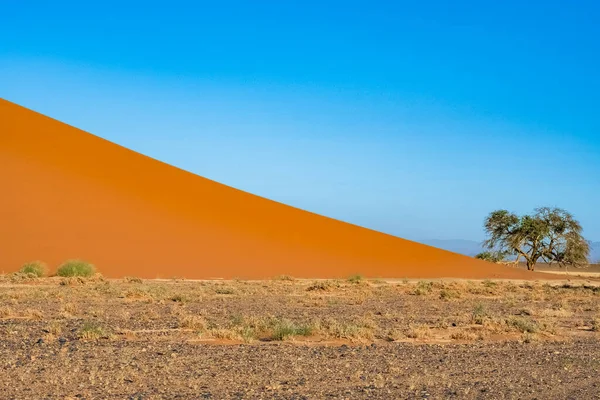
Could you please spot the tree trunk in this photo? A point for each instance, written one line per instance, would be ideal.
(530, 265)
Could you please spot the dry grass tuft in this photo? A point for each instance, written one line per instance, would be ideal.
(464, 334)
(323, 285)
(355, 279)
(284, 278)
(92, 331)
(423, 288)
(196, 322)
(418, 331)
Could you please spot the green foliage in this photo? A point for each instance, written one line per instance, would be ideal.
(479, 314)
(36, 268)
(491, 256)
(549, 234)
(284, 329)
(76, 268)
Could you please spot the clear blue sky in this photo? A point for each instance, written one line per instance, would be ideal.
(414, 118)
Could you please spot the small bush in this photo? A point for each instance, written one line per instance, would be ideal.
(463, 335)
(76, 268)
(479, 314)
(91, 331)
(523, 325)
(36, 268)
(133, 279)
(284, 329)
(356, 279)
(447, 294)
(423, 288)
(178, 298)
(322, 285)
(224, 290)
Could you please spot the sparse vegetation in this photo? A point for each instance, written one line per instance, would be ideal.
(76, 268)
(423, 288)
(36, 268)
(284, 278)
(356, 279)
(283, 329)
(524, 325)
(224, 290)
(165, 321)
(91, 331)
(322, 285)
(479, 314)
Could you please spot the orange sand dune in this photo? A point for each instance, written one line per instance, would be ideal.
(69, 194)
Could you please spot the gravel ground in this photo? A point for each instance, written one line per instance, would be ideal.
(144, 370)
(291, 339)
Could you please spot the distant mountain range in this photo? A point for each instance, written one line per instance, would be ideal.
(472, 247)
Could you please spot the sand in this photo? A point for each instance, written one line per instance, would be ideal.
(69, 194)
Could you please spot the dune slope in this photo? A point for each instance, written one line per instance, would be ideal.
(69, 194)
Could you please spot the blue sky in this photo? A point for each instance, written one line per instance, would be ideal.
(414, 118)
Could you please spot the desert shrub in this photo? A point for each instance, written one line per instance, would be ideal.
(479, 314)
(196, 322)
(523, 325)
(423, 288)
(178, 298)
(322, 285)
(72, 268)
(463, 334)
(489, 283)
(283, 329)
(36, 268)
(418, 331)
(356, 279)
(224, 290)
(447, 294)
(91, 331)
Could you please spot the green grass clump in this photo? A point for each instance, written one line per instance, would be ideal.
(76, 268)
(479, 314)
(284, 329)
(36, 268)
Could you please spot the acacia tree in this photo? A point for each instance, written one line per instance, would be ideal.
(549, 234)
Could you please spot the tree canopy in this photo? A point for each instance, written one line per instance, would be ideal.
(549, 234)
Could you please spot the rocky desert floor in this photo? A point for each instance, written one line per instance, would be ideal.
(284, 338)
